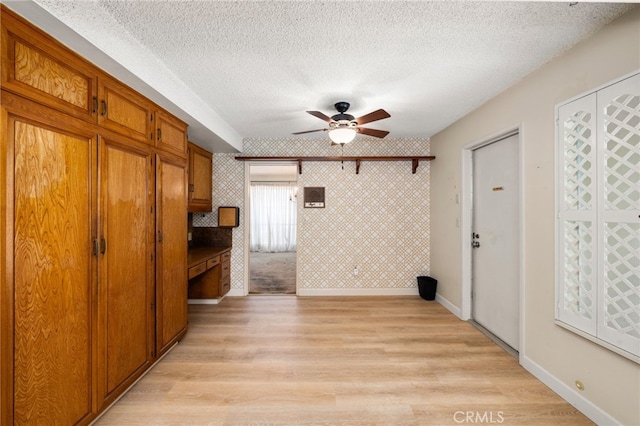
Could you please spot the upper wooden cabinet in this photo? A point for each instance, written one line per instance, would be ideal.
(200, 170)
(171, 134)
(124, 111)
(39, 68)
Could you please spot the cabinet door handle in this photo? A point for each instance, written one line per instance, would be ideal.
(95, 247)
(104, 108)
(95, 104)
(159, 236)
(159, 133)
(103, 245)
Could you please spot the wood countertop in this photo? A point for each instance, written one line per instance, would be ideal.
(197, 255)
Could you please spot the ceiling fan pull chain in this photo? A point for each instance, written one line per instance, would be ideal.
(342, 147)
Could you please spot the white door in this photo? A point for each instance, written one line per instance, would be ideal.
(496, 230)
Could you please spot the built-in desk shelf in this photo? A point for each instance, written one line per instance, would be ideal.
(209, 273)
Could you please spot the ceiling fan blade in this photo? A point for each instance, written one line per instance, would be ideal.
(372, 116)
(373, 132)
(309, 131)
(320, 115)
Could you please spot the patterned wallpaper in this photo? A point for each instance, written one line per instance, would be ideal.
(377, 221)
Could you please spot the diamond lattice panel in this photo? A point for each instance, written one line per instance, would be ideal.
(578, 277)
(577, 161)
(622, 156)
(622, 277)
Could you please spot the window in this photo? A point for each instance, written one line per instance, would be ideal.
(273, 218)
(598, 220)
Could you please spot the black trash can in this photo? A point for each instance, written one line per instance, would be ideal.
(427, 287)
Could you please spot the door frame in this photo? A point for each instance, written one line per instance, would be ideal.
(466, 222)
(247, 218)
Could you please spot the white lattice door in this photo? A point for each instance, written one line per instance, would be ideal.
(599, 214)
(577, 269)
(619, 214)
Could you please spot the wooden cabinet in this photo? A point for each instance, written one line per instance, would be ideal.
(200, 183)
(125, 252)
(225, 273)
(198, 269)
(171, 249)
(171, 134)
(47, 355)
(40, 69)
(209, 272)
(82, 248)
(87, 280)
(124, 111)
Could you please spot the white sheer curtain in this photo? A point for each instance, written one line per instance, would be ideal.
(273, 218)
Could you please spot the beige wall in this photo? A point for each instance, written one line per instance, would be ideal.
(612, 382)
(377, 220)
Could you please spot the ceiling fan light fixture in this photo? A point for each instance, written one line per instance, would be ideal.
(343, 127)
(342, 135)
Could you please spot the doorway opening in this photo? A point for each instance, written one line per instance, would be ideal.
(273, 195)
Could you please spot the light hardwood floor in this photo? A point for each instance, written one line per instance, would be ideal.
(336, 361)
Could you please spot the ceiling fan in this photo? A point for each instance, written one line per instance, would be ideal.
(343, 127)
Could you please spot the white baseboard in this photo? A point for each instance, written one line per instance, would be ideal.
(207, 301)
(450, 306)
(586, 407)
(203, 301)
(235, 292)
(231, 293)
(411, 291)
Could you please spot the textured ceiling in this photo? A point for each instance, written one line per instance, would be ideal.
(258, 65)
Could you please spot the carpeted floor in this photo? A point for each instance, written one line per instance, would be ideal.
(272, 273)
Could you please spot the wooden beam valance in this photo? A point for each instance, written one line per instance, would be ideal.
(415, 160)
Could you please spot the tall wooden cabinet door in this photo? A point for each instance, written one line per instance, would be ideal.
(171, 250)
(124, 111)
(52, 284)
(200, 170)
(171, 134)
(37, 67)
(125, 266)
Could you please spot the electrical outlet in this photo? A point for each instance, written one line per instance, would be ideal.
(188, 236)
(355, 271)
